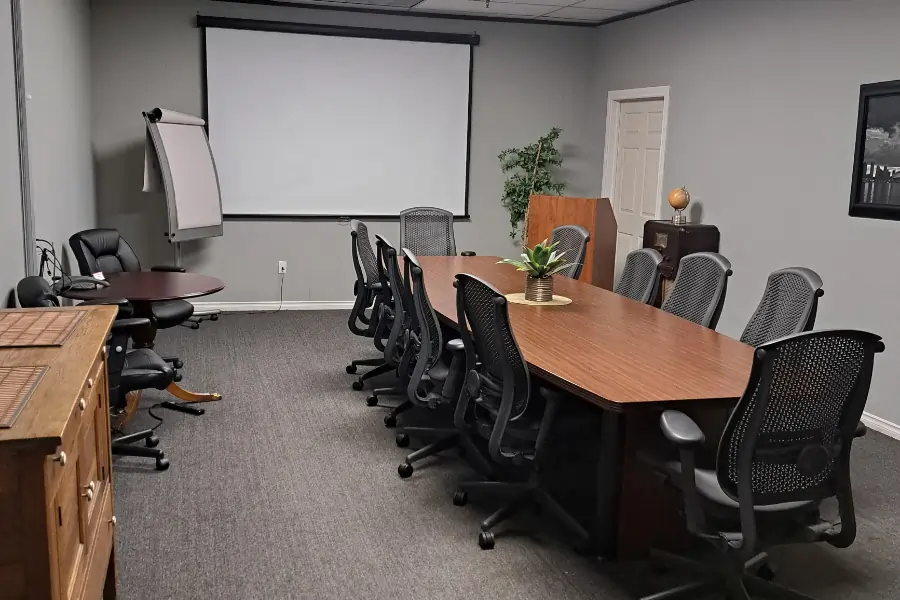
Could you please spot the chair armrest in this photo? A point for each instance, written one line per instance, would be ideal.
(861, 430)
(467, 253)
(123, 325)
(168, 268)
(455, 345)
(680, 429)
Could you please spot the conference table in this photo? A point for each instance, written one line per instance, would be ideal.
(630, 360)
(142, 289)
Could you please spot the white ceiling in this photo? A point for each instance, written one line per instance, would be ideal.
(584, 11)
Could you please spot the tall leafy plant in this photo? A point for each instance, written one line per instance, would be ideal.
(529, 170)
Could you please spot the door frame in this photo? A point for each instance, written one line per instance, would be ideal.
(614, 99)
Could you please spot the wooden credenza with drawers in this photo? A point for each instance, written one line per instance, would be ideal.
(57, 527)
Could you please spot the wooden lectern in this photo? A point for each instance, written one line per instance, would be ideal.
(595, 215)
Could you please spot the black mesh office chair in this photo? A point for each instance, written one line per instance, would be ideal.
(437, 370)
(789, 305)
(381, 318)
(507, 411)
(640, 277)
(127, 371)
(366, 290)
(573, 241)
(785, 449)
(698, 293)
(107, 251)
(428, 231)
(398, 351)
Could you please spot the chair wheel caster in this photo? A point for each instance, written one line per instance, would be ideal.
(214, 317)
(357, 385)
(766, 572)
(178, 363)
(162, 463)
(152, 441)
(460, 498)
(402, 440)
(351, 369)
(372, 401)
(486, 540)
(390, 420)
(405, 470)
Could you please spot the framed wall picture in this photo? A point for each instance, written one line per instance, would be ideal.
(875, 191)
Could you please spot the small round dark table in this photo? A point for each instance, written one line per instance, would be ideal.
(142, 289)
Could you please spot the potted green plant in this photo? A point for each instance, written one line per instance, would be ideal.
(539, 264)
(529, 170)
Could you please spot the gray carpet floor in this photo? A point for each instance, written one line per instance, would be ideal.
(287, 488)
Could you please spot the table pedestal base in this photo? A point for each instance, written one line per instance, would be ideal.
(191, 397)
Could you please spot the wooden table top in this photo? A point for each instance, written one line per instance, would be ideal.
(151, 286)
(45, 416)
(603, 347)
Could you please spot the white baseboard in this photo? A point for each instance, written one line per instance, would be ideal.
(274, 305)
(881, 425)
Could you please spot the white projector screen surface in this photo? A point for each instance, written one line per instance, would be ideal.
(313, 125)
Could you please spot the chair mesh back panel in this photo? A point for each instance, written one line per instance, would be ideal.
(427, 232)
(814, 381)
(573, 240)
(640, 276)
(366, 254)
(785, 307)
(488, 334)
(426, 318)
(699, 288)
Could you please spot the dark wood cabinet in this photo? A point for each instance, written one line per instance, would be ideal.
(677, 241)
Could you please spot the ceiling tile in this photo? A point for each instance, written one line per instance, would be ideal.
(626, 5)
(360, 3)
(476, 7)
(583, 14)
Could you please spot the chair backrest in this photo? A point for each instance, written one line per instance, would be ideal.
(427, 231)
(363, 255)
(573, 241)
(425, 322)
(640, 277)
(698, 293)
(788, 439)
(788, 305)
(35, 292)
(483, 310)
(402, 300)
(103, 250)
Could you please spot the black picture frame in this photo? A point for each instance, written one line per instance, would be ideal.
(874, 186)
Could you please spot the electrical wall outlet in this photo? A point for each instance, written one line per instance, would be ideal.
(282, 266)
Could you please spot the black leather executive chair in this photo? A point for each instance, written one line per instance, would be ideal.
(785, 450)
(508, 412)
(127, 370)
(107, 251)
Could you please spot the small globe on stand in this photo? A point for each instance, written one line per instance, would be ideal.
(679, 199)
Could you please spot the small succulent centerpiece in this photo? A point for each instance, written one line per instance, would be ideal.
(539, 264)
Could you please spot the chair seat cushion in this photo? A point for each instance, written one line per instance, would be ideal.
(169, 313)
(145, 369)
(708, 486)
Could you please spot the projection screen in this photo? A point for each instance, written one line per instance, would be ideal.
(326, 125)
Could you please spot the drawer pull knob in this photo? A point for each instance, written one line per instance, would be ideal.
(91, 486)
(82, 404)
(89, 494)
(60, 458)
(103, 350)
(90, 382)
(113, 520)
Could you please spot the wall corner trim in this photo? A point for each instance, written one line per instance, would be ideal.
(881, 425)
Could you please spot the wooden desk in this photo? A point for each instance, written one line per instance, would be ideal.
(630, 359)
(56, 500)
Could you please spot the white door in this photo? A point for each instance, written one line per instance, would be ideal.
(636, 192)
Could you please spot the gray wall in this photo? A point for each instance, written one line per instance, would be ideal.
(12, 264)
(761, 129)
(57, 76)
(527, 78)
